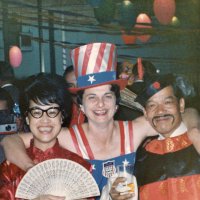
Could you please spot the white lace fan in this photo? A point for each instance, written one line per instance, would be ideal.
(59, 177)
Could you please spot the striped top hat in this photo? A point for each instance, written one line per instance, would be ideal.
(95, 65)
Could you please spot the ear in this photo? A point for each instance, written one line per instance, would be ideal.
(82, 108)
(116, 108)
(182, 105)
(63, 115)
(61, 119)
(145, 113)
(27, 120)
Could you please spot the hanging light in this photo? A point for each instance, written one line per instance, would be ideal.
(143, 22)
(128, 38)
(175, 21)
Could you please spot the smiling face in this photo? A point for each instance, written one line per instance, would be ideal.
(44, 129)
(163, 111)
(99, 104)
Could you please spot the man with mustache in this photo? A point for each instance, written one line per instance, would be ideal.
(168, 167)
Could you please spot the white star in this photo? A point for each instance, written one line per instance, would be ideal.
(125, 162)
(93, 167)
(91, 79)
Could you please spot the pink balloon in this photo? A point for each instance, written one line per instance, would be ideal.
(164, 10)
(143, 21)
(15, 56)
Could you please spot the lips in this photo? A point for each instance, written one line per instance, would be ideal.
(45, 129)
(162, 118)
(100, 112)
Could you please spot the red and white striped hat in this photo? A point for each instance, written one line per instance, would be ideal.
(94, 65)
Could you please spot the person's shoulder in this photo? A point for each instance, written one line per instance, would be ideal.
(64, 129)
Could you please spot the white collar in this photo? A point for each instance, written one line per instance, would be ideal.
(179, 131)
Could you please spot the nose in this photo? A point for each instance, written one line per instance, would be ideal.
(100, 102)
(45, 117)
(160, 109)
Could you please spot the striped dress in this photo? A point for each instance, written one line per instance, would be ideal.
(103, 169)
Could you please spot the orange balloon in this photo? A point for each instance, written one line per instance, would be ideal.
(15, 56)
(164, 10)
(128, 38)
(143, 21)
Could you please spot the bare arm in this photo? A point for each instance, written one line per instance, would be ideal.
(192, 120)
(142, 129)
(14, 147)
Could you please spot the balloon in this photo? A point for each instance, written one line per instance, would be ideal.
(143, 21)
(105, 12)
(128, 38)
(127, 14)
(15, 56)
(164, 10)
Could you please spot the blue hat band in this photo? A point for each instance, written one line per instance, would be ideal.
(96, 78)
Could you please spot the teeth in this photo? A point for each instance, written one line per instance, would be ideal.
(45, 129)
(162, 118)
(101, 112)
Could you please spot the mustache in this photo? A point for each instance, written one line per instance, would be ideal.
(159, 116)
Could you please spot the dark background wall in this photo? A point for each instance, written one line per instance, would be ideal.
(46, 31)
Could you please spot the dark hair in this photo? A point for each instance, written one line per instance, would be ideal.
(114, 88)
(45, 89)
(68, 70)
(5, 96)
(177, 91)
(148, 68)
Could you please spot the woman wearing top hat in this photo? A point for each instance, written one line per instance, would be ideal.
(104, 142)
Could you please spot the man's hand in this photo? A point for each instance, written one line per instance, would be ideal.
(194, 136)
(191, 119)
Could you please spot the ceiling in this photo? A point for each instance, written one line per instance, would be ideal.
(79, 15)
(80, 12)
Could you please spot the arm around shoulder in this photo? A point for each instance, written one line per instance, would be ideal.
(142, 129)
(15, 150)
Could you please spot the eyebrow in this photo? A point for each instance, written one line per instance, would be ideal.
(110, 92)
(168, 97)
